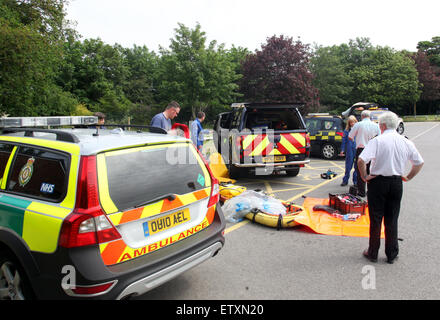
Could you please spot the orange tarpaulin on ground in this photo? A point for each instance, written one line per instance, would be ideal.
(324, 223)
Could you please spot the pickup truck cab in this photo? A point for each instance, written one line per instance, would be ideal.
(263, 138)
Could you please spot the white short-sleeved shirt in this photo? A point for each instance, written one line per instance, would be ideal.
(364, 131)
(389, 154)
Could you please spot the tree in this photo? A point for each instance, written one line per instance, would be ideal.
(331, 78)
(96, 73)
(31, 35)
(429, 80)
(432, 50)
(196, 75)
(388, 78)
(141, 63)
(279, 72)
(358, 71)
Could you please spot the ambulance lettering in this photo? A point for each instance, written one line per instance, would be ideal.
(163, 243)
(47, 187)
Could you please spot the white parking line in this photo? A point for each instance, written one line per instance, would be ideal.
(421, 134)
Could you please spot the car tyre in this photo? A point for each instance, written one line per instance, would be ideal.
(400, 128)
(14, 284)
(328, 151)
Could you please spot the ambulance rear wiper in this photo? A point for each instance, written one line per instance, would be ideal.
(169, 196)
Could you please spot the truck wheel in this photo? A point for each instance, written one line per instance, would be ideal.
(14, 284)
(328, 151)
(293, 172)
(234, 172)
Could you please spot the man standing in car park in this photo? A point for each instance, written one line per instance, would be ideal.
(163, 119)
(363, 131)
(196, 130)
(388, 153)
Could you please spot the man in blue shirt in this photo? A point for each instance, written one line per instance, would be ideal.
(196, 130)
(163, 119)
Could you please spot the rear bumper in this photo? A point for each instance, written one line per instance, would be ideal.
(152, 281)
(133, 277)
(274, 164)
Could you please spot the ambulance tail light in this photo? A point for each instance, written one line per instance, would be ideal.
(87, 224)
(215, 189)
(215, 192)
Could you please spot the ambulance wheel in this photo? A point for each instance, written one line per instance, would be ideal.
(328, 151)
(14, 284)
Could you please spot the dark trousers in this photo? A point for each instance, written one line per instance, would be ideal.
(360, 183)
(384, 196)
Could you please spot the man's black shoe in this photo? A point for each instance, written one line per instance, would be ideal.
(343, 184)
(361, 195)
(391, 261)
(366, 255)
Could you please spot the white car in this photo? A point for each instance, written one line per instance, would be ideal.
(374, 116)
(357, 109)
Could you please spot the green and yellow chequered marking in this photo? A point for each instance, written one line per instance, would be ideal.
(326, 135)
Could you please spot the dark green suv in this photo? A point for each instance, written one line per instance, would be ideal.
(326, 132)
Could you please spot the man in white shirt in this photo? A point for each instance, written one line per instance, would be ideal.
(363, 131)
(389, 154)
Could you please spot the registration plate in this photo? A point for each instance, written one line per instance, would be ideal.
(274, 159)
(166, 222)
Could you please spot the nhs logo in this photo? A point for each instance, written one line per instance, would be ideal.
(47, 187)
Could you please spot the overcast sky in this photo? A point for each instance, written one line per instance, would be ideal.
(399, 24)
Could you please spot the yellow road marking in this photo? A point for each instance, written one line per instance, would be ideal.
(314, 188)
(236, 226)
(268, 188)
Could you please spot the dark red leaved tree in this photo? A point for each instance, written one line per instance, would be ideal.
(279, 72)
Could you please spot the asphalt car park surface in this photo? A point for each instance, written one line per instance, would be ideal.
(261, 263)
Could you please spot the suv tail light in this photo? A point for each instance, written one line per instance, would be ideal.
(308, 146)
(215, 189)
(87, 224)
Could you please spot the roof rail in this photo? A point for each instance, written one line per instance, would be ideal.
(319, 114)
(29, 132)
(124, 126)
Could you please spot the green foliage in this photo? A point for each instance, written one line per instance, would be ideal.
(30, 50)
(196, 75)
(331, 77)
(45, 69)
(432, 49)
(358, 71)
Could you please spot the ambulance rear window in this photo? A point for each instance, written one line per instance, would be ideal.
(146, 174)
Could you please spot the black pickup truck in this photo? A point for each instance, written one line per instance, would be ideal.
(262, 138)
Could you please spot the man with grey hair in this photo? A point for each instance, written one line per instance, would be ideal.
(389, 154)
(362, 132)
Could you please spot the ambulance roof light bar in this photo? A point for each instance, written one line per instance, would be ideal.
(28, 122)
